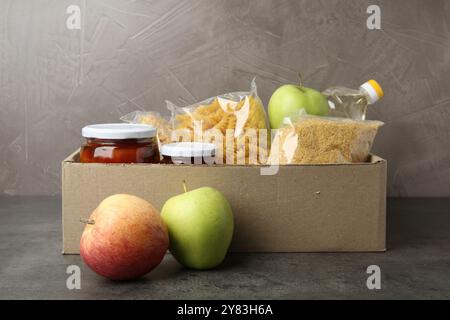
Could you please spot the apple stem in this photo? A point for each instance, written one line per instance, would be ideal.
(184, 186)
(87, 221)
(300, 80)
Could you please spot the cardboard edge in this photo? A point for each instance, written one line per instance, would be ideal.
(376, 159)
(63, 165)
(315, 251)
(74, 159)
(383, 205)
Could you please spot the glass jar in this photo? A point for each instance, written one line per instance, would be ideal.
(120, 143)
(188, 153)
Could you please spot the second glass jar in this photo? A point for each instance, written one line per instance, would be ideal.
(188, 153)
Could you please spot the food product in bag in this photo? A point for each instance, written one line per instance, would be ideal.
(312, 139)
(154, 119)
(236, 122)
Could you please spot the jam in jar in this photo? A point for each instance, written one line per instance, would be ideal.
(188, 153)
(120, 143)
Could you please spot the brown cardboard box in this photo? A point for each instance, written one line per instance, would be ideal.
(303, 208)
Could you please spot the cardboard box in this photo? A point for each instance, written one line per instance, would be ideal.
(303, 208)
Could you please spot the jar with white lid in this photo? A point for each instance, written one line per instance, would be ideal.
(119, 143)
(188, 153)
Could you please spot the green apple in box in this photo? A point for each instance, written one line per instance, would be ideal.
(289, 99)
(200, 224)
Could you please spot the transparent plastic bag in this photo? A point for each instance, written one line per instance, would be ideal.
(236, 122)
(154, 119)
(313, 139)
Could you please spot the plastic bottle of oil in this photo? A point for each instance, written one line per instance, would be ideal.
(352, 103)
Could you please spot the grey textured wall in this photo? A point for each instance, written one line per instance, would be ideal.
(135, 54)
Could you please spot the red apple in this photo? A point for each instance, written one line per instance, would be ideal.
(124, 238)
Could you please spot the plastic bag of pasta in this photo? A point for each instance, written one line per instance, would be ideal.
(154, 119)
(312, 139)
(236, 122)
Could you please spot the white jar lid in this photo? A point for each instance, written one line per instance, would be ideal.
(188, 149)
(119, 131)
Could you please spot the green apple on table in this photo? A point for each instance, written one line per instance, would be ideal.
(289, 99)
(200, 224)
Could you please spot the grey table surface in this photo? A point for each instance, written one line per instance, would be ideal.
(416, 265)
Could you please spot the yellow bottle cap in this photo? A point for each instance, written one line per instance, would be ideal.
(377, 88)
(373, 90)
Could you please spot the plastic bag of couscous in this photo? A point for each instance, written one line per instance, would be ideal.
(317, 140)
